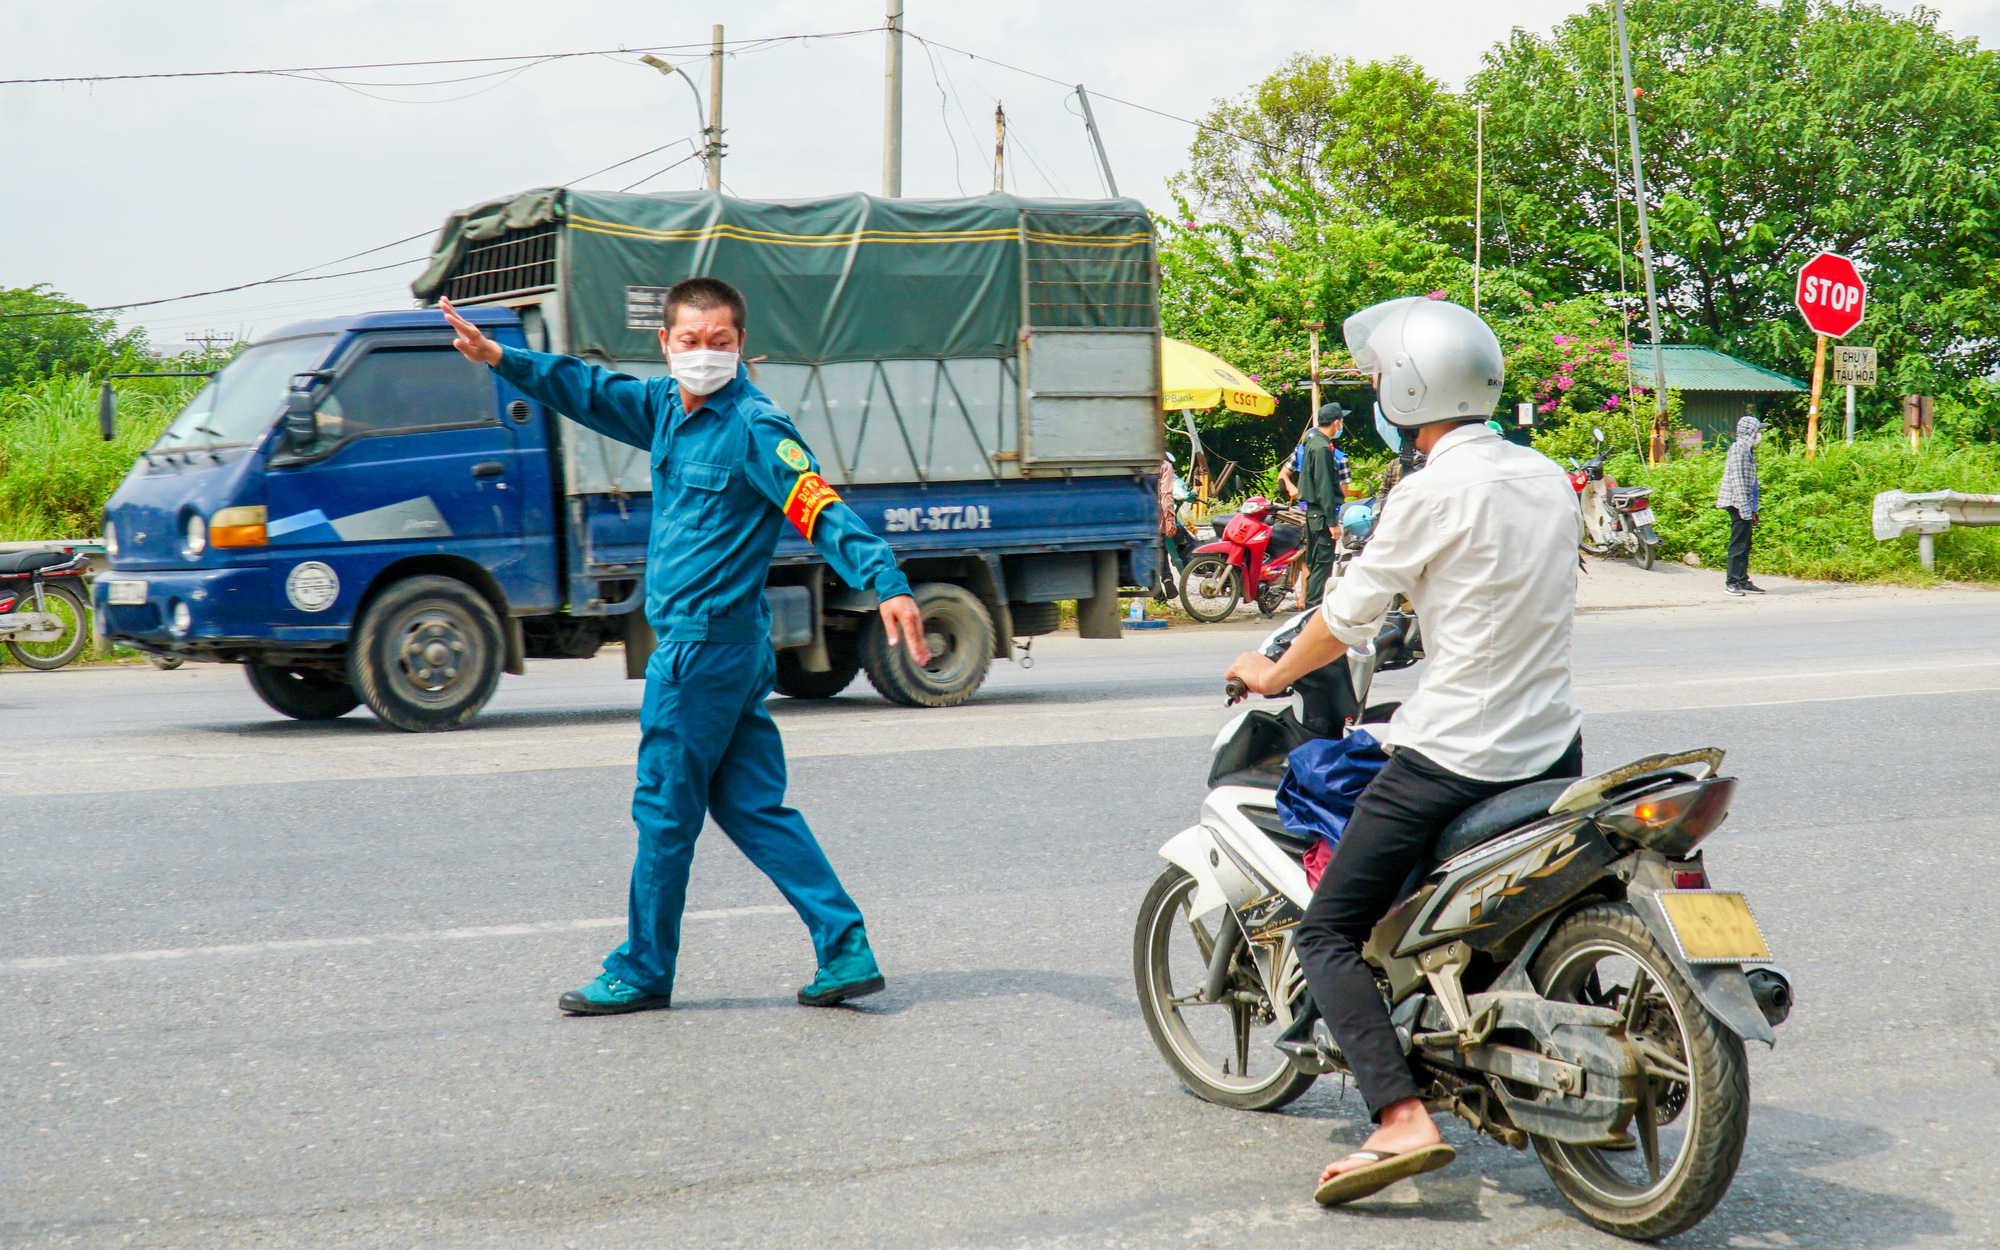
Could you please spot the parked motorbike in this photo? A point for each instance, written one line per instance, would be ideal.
(42, 616)
(1251, 559)
(1564, 978)
(1616, 519)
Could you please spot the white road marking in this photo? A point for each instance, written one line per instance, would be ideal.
(380, 939)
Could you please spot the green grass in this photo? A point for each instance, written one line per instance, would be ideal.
(55, 472)
(1817, 513)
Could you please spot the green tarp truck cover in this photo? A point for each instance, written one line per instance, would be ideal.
(861, 307)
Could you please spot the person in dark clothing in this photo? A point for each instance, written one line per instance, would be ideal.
(1323, 486)
(1737, 495)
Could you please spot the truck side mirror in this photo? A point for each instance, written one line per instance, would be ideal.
(301, 424)
(107, 412)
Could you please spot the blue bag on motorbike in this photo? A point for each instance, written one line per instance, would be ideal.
(1323, 778)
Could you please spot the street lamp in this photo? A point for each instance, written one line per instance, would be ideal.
(712, 146)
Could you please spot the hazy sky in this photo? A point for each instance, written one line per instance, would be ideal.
(135, 190)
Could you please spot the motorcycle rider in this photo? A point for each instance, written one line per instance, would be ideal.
(1482, 542)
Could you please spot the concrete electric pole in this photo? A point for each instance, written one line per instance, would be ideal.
(714, 151)
(1659, 447)
(892, 104)
(1097, 143)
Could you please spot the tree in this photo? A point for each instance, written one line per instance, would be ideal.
(60, 339)
(1365, 140)
(1771, 131)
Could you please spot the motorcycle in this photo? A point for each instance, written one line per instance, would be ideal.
(1564, 976)
(42, 616)
(1251, 558)
(1615, 518)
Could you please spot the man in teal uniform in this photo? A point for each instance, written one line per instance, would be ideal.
(728, 470)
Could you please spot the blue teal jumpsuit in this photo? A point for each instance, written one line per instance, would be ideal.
(725, 477)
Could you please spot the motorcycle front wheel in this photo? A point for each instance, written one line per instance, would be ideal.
(1221, 1050)
(1681, 1150)
(1211, 588)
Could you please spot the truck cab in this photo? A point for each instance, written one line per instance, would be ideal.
(352, 510)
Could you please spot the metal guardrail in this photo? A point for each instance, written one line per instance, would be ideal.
(1927, 513)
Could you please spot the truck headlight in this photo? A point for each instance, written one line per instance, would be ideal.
(238, 527)
(196, 534)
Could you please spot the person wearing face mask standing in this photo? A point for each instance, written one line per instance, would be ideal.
(729, 469)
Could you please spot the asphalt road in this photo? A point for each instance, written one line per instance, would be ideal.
(294, 985)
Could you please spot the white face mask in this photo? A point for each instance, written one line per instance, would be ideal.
(702, 372)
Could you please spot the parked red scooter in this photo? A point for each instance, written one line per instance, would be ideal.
(1251, 560)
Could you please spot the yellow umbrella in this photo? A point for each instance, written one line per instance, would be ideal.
(1193, 378)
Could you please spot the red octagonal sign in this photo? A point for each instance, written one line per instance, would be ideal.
(1831, 295)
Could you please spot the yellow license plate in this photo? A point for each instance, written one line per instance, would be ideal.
(1713, 927)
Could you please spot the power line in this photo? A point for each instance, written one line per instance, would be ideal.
(740, 45)
(309, 275)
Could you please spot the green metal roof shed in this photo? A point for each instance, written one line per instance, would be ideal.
(1716, 388)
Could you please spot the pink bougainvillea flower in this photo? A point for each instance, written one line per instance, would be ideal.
(1611, 401)
(1548, 407)
(1559, 339)
(1619, 356)
(1565, 382)
(1437, 295)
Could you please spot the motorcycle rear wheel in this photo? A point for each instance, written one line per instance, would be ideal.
(1211, 587)
(1224, 1055)
(1699, 1083)
(66, 606)
(1642, 551)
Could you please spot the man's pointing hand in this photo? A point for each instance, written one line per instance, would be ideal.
(903, 623)
(471, 342)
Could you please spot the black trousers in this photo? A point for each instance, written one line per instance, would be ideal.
(1318, 555)
(1739, 547)
(1395, 824)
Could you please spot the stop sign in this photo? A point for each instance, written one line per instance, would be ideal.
(1831, 295)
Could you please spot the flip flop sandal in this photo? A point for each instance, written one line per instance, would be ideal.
(1385, 1171)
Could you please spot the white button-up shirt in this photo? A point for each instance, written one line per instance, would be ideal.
(1483, 541)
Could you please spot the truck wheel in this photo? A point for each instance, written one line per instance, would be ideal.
(1032, 620)
(961, 640)
(302, 693)
(427, 654)
(844, 650)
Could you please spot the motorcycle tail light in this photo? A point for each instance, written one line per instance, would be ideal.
(238, 527)
(1674, 820)
(1690, 881)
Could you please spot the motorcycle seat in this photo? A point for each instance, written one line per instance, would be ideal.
(1269, 822)
(28, 561)
(1503, 813)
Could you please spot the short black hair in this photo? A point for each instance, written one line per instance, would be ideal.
(702, 294)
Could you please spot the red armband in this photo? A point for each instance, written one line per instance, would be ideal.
(810, 496)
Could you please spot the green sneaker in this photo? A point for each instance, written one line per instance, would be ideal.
(851, 972)
(608, 996)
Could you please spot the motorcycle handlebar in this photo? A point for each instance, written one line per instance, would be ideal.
(1235, 690)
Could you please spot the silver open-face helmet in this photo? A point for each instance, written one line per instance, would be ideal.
(1433, 360)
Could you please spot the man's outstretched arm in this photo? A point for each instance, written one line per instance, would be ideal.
(613, 404)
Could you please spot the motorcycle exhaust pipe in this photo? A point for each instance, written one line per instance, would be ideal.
(1772, 989)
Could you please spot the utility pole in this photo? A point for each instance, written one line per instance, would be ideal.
(715, 108)
(999, 147)
(892, 104)
(1478, 203)
(1097, 143)
(1312, 330)
(1659, 447)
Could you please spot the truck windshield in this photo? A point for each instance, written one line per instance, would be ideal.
(244, 399)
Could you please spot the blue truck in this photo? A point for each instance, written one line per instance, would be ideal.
(355, 513)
